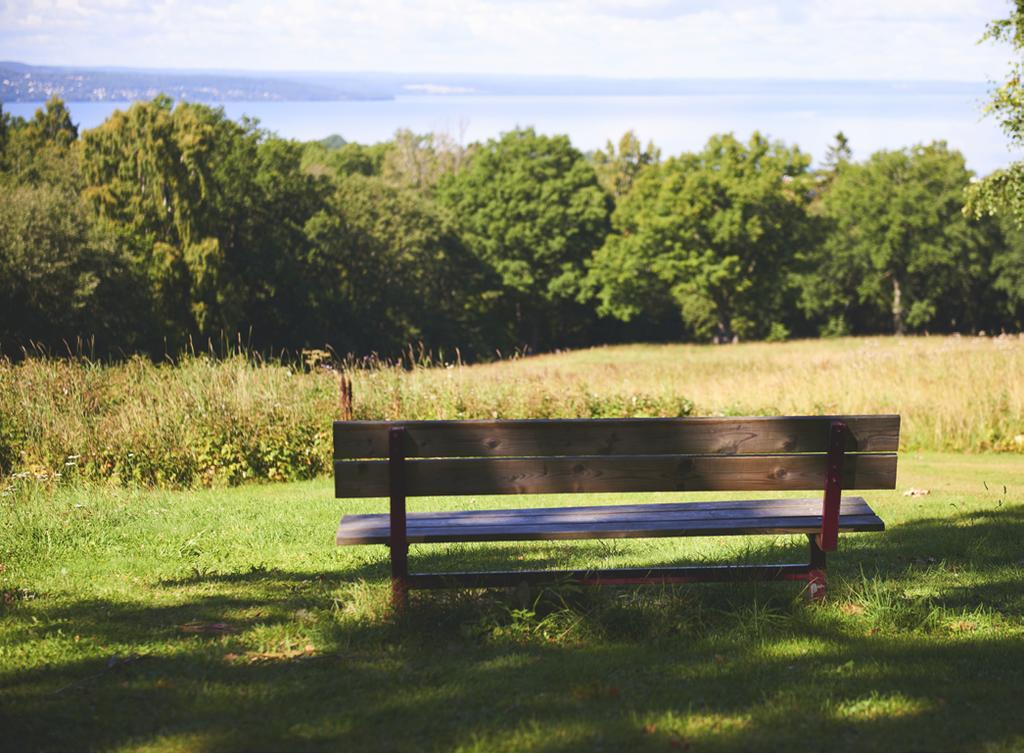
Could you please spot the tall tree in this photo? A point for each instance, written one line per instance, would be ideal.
(391, 271)
(712, 233)
(531, 209)
(215, 211)
(900, 255)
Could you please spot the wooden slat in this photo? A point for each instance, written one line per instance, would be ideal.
(850, 505)
(626, 436)
(619, 514)
(622, 473)
(653, 520)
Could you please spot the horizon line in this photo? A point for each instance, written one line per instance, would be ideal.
(249, 72)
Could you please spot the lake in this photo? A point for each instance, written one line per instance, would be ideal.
(874, 115)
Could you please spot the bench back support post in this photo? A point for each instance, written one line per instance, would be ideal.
(397, 540)
(828, 539)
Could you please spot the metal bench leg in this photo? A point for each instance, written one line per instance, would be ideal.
(397, 539)
(817, 578)
(399, 577)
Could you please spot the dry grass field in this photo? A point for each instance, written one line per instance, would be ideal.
(216, 422)
(954, 393)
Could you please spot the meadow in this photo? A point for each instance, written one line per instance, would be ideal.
(207, 421)
(140, 615)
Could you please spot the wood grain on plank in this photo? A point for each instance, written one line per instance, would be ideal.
(774, 516)
(625, 436)
(620, 473)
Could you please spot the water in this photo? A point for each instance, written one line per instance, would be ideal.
(873, 116)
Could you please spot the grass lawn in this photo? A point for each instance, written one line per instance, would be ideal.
(226, 619)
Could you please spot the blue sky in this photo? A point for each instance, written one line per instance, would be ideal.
(822, 39)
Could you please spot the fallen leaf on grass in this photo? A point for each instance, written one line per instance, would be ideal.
(917, 492)
(962, 626)
(209, 628)
(252, 657)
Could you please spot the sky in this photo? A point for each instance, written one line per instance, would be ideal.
(819, 39)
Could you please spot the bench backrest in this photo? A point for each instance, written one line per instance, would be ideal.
(612, 455)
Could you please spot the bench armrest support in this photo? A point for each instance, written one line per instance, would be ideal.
(828, 539)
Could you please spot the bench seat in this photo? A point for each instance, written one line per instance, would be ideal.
(733, 517)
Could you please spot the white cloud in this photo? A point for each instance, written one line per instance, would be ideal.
(889, 39)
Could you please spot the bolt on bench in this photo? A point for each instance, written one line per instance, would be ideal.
(574, 456)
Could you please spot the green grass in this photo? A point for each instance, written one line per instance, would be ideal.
(921, 646)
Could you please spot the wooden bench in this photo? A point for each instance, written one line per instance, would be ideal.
(574, 456)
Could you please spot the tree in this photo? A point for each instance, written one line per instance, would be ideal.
(900, 254)
(529, 206)
(148, 172)
(711, 233)
(60, 277)
(391, 271)
(263, 202)
(38, 151)
(5, 131)
(52, 125)
(838, 153)
(617, 169)
(1003, 190)
(420, 161)
(215, 211)
(1008, 275)
(347, 159)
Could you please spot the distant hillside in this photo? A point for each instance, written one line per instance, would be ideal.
(30, 83)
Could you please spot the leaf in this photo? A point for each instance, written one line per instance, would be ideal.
(209, 628)
(253, 657)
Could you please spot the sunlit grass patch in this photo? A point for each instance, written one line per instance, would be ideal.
(880, 705)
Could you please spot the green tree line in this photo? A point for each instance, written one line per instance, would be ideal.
(171, 224)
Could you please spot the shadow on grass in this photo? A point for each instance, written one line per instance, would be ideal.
(542, 555)
(438, 678)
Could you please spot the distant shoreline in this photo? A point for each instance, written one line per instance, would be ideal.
(872, 118)
(20, 82)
